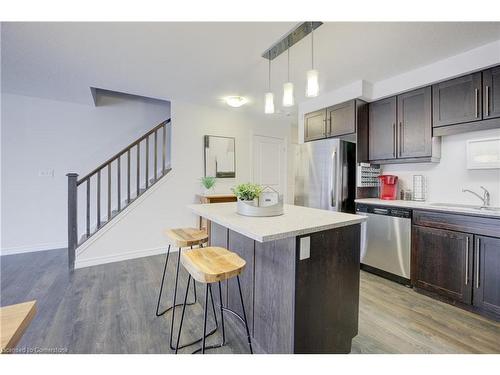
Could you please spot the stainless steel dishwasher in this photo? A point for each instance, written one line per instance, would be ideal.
(386, 241)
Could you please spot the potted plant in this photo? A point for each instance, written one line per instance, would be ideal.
(208, 182)
(247, 193)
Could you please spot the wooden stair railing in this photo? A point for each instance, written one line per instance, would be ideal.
(111, 170)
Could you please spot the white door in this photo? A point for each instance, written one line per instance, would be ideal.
(269, 162)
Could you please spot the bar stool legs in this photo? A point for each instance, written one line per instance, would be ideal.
(244, 316)
(158, 313)
(208, 290)
(222, 316)
(182, 316)
(204, 320)
(174, 305)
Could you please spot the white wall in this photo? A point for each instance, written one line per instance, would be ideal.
(39, 134)
(140, 232)
(446, 179)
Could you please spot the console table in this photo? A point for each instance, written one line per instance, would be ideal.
(213, 198)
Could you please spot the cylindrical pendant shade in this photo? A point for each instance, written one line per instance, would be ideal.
(288, 100)
(269, 103)
(312, 88)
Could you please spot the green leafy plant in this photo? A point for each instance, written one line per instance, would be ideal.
(208, 182)
(247, 192)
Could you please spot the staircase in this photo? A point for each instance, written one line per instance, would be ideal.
(98, 197)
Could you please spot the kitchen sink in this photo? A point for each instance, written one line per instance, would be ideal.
(466, 206)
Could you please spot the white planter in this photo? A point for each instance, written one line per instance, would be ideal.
(253, 202)
(251, 208)
(208, 191)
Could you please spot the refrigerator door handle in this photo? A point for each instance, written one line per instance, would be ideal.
(333, 187)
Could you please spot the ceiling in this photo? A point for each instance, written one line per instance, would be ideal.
(202, 62)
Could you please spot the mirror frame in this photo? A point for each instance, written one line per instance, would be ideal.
(206, 143)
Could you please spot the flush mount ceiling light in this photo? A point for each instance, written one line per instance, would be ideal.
(269, 97)
(312, 87)
(235, 101)
(288, 99)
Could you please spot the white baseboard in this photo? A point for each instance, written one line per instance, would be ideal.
(82, 263)
(32, 248)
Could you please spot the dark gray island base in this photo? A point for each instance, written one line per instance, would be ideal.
(293, 305)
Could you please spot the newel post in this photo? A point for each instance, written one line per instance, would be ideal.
(72, 219)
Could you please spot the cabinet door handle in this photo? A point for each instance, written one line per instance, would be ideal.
(324, 127)
(401, 142)
(466, 260)
(394, 138)
(476, 101)
(330, 126)
(478, 243)
(487, 99)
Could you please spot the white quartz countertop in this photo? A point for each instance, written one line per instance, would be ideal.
(451, 208)
(296, 221)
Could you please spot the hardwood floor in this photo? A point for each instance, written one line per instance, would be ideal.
(111, 309)
(396, 319)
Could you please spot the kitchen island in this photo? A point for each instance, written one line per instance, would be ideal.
(301, 280)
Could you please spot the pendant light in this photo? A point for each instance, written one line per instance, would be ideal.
(312, 87)
(269, 97)
(288, 99)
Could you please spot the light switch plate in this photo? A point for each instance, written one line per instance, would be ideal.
(46, 173)
(305, 248)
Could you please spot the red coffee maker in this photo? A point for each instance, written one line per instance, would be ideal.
(388, 187)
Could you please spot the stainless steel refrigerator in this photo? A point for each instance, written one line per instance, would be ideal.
(325, 175)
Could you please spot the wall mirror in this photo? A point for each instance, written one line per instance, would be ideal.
(220, 158)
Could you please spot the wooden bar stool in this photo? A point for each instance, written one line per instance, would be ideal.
(181, 238)
(213, 265)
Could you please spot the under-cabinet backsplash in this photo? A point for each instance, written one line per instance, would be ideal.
(446, 179)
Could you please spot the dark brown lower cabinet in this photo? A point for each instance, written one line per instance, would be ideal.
(442, 262)
(487, 274)
(461, 268)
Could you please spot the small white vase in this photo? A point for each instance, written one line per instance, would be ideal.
(208, 191)
(246, 207)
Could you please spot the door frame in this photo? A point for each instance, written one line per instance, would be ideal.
(285, 154)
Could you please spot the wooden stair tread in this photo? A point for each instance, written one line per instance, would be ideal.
(212, 264)
(184, 237)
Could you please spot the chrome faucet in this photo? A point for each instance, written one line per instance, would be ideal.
(485, 198)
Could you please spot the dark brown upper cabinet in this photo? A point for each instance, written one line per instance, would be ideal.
(315, 125)
(348, 121)
(341, 119)
(400, 129)
(491, 93)
(457, 101)
(382, 129)
(487, 274)
(415, 124)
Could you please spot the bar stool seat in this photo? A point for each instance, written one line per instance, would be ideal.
(186, 237)
(212, 264)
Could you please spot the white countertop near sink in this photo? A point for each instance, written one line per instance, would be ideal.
(296, 221)
(430, 206)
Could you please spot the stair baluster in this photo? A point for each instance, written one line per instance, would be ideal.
(74, 183)
(146, 175)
